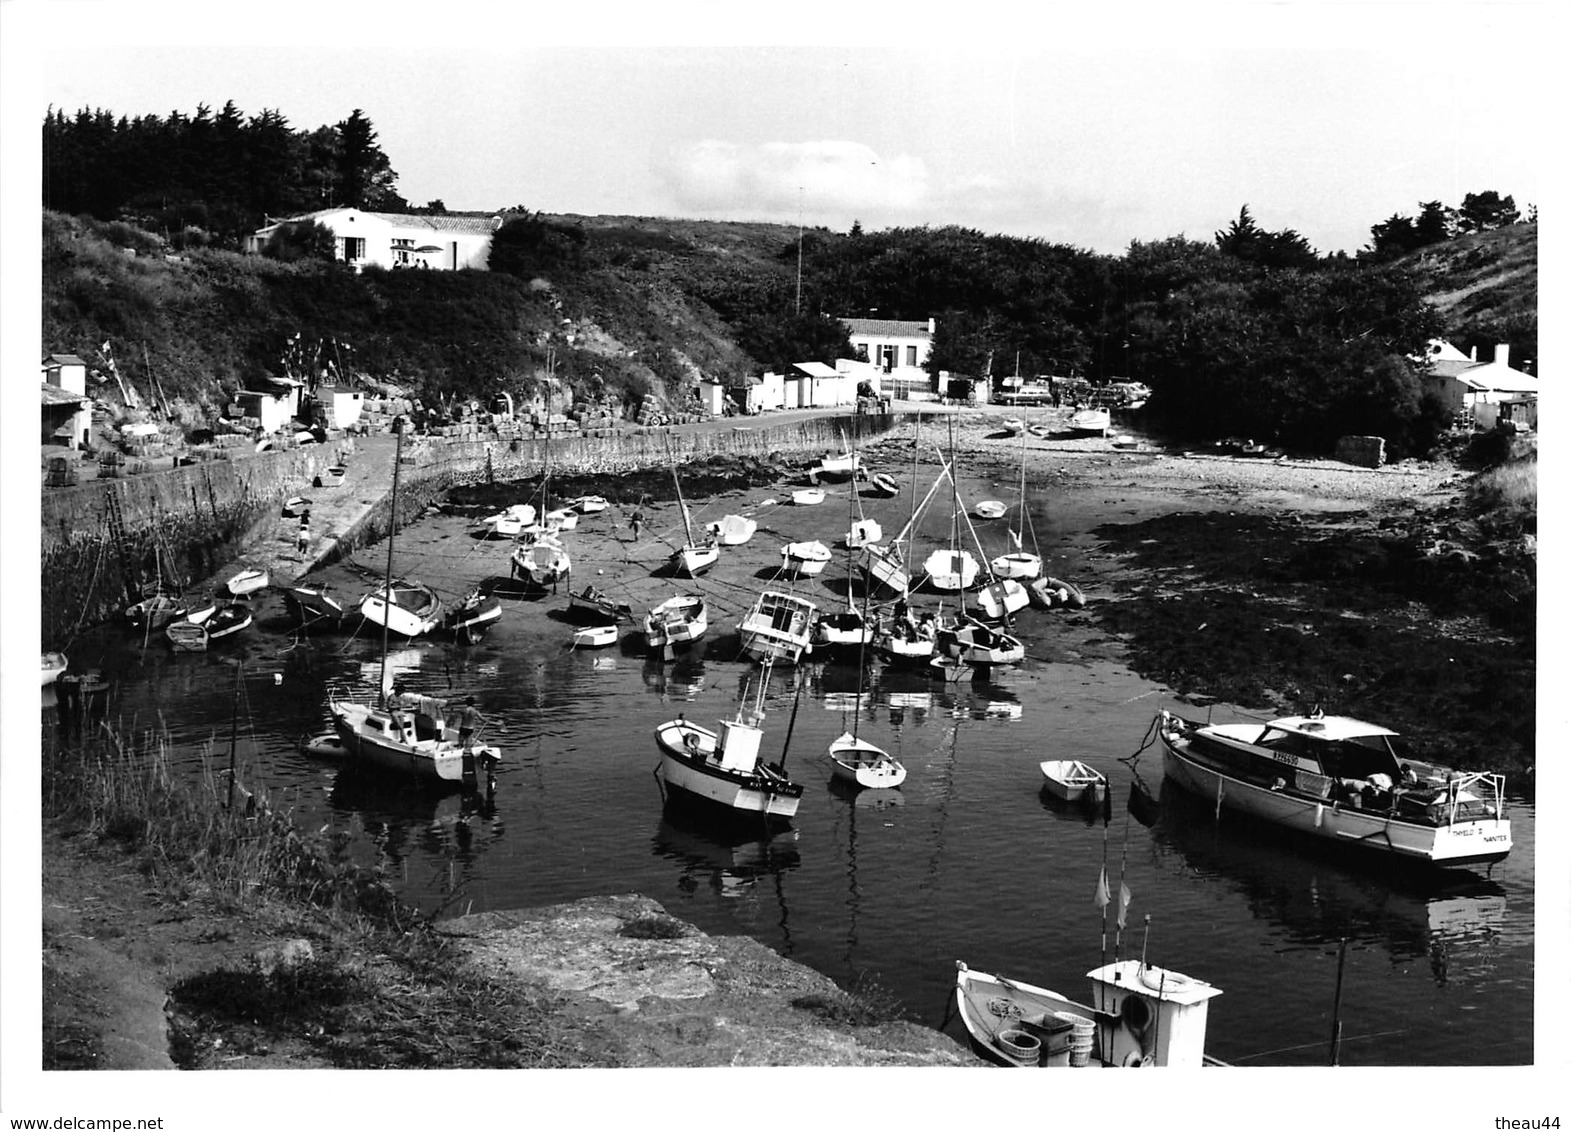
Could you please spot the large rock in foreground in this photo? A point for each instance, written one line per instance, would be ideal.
(654, 991)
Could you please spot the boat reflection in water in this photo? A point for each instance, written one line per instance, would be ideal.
(729, 857)
(1454, 921)
(682, 679)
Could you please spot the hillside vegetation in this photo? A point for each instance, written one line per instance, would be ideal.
(635, 307)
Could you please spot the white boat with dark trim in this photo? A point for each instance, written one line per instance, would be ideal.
(590, 504)
(407, 607)
(951, 569)
(861, 763)
(509, 522)
(779, 626)
(804, 559)
(55, 663)
(472, 616)
(247, 581)
(1142, 1016)
(1344, 781)
(723, 768)
(677, 620)
(1070, 780)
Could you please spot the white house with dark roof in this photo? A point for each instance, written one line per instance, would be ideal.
(447, 242)
(1479, 387)
(896, 351)
(67, 409)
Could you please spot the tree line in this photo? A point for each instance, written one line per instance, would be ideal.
(205, 177)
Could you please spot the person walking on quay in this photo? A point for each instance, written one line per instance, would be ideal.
(636, 521)
(303, 536)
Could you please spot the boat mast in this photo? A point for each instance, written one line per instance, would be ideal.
(387, 582)
(676, 479)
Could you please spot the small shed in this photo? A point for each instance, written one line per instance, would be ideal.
(271, 407)
(711, 395)
(67, 417)
(340, 407)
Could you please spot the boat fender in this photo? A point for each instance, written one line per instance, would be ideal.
(1137, 1060)
(690, 741)
(1320, 814)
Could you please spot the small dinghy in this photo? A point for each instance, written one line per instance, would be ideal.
(187, 636)
(326, 746)
(1070, 780)
(509, 523)
(470, 619)
(247, 581)
(1049, 593)
(309, 605)
(563, 518)
(676, 620)
(865, 764)
(1091, 422)
(596, 637)
(885, 485)
(296, 505)
(332, 477)
(864, 532)
(590, 504)
(227, 620)
(1002, 597)
(807, 496)
(990, 509)
(1013, 425)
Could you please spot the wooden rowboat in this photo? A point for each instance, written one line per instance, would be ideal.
(595, 637)
(1071, 780)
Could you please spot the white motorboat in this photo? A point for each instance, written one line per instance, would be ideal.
(407, 607)
(733, 530)
(1070, 780)
(861, 763)
(723, 769)
(677, 620)
(1142, 1015)
(509, 522)
(1091, 421)
(1344, 781)
(804, 559)
(779, 627)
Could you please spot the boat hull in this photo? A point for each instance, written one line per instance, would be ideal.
(676, 622)
(1002, 597)
(1071, 781)
(883, 566)
(309, 606)
(247, 582)
(1446, 846)
(950, 570)
(1022, 566)
(686, 765)
(692, 561)
(413, 611)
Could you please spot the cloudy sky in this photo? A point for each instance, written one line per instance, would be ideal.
(1137, 123)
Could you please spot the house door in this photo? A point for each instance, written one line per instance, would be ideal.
(354, 249)
(886, 357)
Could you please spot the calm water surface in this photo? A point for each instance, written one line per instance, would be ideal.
(969, 860)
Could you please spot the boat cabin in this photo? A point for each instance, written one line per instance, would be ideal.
(737, 749)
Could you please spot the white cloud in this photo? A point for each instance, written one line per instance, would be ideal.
(775, 179)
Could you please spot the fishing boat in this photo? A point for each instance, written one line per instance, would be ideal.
(407, 607)
(1143, 1016)
(804, 559)
(469, 620)
(54, 665)
(723, 768)
(1091, 422)
(732, 530)
(677, 620)
(510, 522)
(313, 605)
(1020, 564)
(602, 603)
(1344, 781)
(779, 626)
(990, 509)
(1070, 780)
(692, 558)
(595, 636)
(247, 581)
(807, 496)
(406, 736)
(1048, 593)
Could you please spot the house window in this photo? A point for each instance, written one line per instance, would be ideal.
(861, 351)
(402, 250)
(910, 355)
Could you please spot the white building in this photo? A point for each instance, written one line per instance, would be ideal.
(1465, 383)
(396, 239)
(67, 409)
(897, 350)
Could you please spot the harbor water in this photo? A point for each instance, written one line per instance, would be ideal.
(883, 891)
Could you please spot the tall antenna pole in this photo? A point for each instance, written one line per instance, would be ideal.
(799, 191)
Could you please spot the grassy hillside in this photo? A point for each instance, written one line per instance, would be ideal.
(1486, 287)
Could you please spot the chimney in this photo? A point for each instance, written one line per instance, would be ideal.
(932, 326)
(1472, 353)
(1503, 353)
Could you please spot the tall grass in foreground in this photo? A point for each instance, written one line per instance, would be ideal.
(195, 829)
(1511, 488)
